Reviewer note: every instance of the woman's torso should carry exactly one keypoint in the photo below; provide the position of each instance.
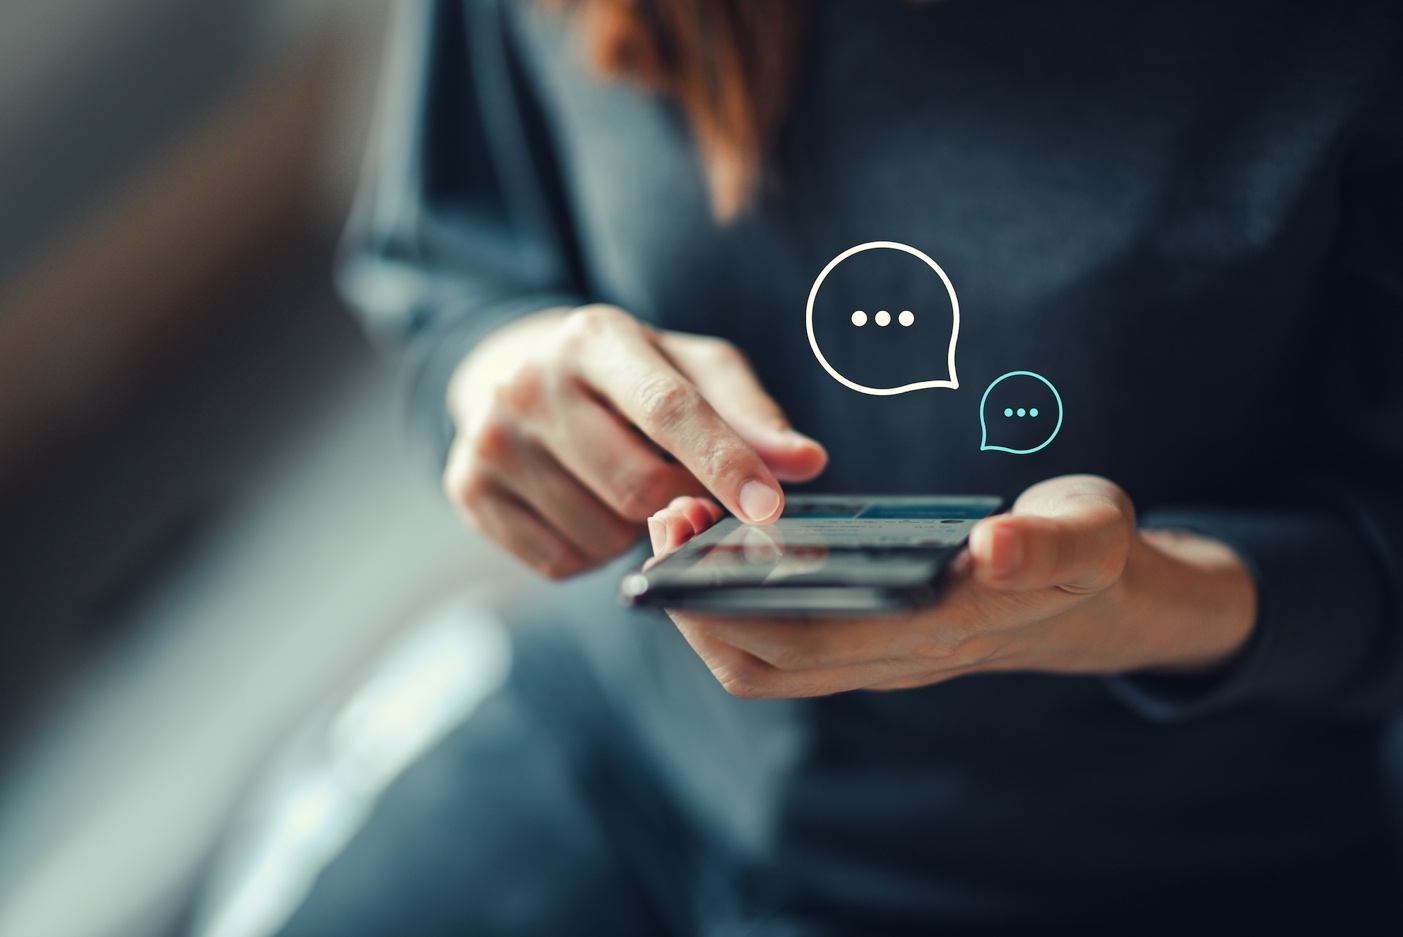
(1144, 204)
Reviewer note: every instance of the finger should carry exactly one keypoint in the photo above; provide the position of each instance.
(1070, 533)
(728, 382)
(700, 512)
(503, 517)
(680, 521)
(634, 376)
(617, 465)
(657, 535)
(564, 504)
(746, 675)
(667, 530)
(798, 644)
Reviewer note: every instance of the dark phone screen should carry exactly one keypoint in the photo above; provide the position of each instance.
(825, 540)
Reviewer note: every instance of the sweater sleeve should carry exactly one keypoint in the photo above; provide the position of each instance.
(460, 224)
(1326, 548)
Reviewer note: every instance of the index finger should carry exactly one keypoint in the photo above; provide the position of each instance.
(638, 380)
(727, 381)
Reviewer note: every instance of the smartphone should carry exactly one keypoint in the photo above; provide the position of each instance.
(841, 554)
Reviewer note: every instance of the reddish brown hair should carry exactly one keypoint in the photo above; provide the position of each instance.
(728, 64)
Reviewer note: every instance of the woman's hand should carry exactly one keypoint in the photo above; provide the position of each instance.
(1064, 583)
(573, 427)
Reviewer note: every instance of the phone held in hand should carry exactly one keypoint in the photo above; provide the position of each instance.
(841, 554)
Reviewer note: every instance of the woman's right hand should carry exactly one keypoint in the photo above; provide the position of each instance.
(575, 426)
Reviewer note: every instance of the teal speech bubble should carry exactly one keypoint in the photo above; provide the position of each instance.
(1019, 413)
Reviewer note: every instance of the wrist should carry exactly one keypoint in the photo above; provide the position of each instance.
(1192, 598)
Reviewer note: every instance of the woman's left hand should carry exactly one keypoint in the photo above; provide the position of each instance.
(1063, 583)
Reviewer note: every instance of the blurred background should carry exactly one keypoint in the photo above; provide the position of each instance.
(232, 602)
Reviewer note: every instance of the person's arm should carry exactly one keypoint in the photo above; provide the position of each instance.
(1063, 583)
(1296, 601)
(461, 225)
(561, 424)
(1326, 549)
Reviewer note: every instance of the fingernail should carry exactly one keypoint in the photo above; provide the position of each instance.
(657, 532)
(1004, 551)
(758, 501)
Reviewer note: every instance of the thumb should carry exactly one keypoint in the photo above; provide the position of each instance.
(725, 378)
(1071, 533)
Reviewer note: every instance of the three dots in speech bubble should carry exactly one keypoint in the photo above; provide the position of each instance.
(906, 318)
(883, 318)
(1001, 439)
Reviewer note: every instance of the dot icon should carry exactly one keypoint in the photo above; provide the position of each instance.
(1019, 437)
(859, 318)
(906, 317)
(882, 318)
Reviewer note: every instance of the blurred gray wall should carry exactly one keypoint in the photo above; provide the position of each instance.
(89, 89)
(152, 149)
(172, 175)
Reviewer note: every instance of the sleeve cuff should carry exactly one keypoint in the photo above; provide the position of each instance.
(1319, 615)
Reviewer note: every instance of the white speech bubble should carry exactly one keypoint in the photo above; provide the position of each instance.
(953, 382)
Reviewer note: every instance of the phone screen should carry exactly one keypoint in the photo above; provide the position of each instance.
(822, 541)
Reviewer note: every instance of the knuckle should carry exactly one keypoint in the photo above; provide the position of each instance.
(747, 677)
(492, 444)
(1105, 491)
(726, 458)
(524, 393)
(665, 402)
(590, 322)
(1124, 505)
(472, 493)
(463, 480)
(743, 685)
(1098, 558)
